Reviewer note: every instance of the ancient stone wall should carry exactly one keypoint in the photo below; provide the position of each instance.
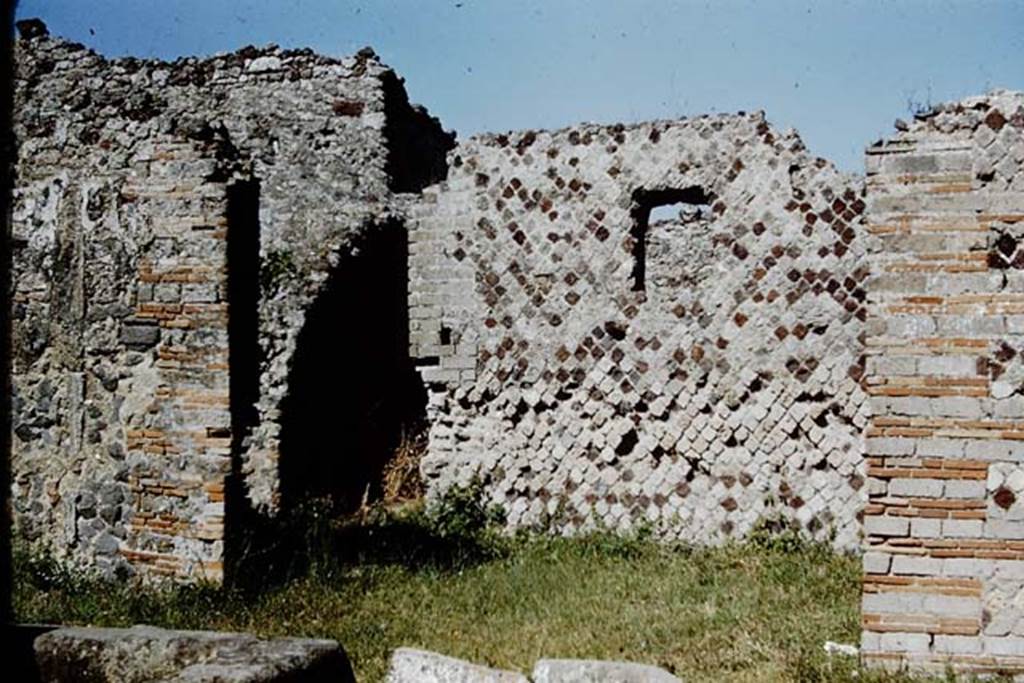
(597, 366)
(120, 337)
(944, 560)
(127, 408)
(668, 324)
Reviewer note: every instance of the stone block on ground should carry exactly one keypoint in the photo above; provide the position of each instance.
(593, 671)
(409, 665)
(146, 653)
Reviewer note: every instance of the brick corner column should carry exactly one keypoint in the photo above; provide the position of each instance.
(944, 524)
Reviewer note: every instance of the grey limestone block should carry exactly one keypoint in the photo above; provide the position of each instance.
(409, 665)
(594, 671)
(139, 336)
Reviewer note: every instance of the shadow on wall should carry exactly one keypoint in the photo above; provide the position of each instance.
(417, 144)
(353, 390)
(6, 170)
(245, 358)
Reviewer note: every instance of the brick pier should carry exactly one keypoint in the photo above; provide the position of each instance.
(944, 524)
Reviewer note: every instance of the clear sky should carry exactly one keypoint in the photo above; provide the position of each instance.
(840, 71)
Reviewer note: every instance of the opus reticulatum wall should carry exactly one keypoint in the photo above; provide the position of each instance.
(595, 367)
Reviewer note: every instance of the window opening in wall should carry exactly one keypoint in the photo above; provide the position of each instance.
(678, 211)
(654, 206)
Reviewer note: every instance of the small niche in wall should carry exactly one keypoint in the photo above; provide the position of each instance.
(652, 206)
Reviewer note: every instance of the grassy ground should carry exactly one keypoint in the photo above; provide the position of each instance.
(757, 611)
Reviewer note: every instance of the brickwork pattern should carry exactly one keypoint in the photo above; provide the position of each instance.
(721, 391)
(944, 555)
(179, 450)
(120, 383)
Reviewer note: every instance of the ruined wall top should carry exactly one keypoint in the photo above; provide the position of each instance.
(995, 109)
(67, 95)
(987, 128)
(319, 151)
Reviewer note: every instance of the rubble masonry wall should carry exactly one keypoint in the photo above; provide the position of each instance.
(592, 359)
(325, 147)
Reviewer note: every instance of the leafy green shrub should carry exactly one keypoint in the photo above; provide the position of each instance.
(462, 513)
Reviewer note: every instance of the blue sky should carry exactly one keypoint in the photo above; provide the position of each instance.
(838, 71)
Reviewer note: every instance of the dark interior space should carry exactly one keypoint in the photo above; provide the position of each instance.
(353, 390)
(417, 144)
(243, 260)
(645, 201)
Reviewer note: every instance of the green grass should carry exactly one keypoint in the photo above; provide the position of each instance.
(756, 611)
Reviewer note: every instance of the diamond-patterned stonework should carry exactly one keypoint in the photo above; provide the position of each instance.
(696, 374)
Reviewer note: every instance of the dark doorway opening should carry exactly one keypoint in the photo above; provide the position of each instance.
(353, 389)
(246, 358)
(650, 206)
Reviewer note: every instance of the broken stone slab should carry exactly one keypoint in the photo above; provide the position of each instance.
(146, 653)
(595, 671)
(409, 665)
